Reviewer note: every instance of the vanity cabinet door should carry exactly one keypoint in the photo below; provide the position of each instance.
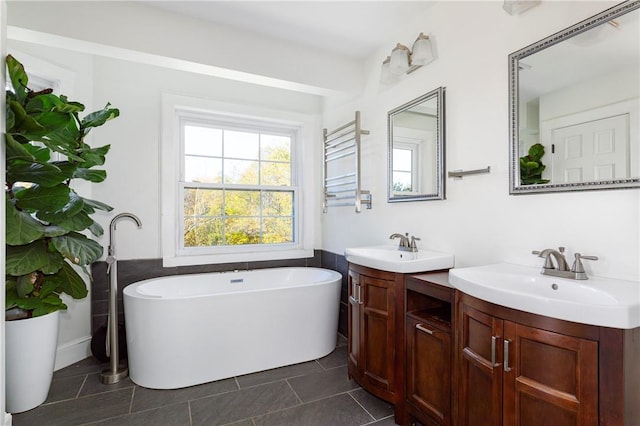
(514, 371)
(549, 378)
(372, 335)
(480, 374)
(378, 334)
(429, 371)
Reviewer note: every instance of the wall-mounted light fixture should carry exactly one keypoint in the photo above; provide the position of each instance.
(516, 7)
(404, 61)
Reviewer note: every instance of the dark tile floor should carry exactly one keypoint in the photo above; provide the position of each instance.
(311, 393)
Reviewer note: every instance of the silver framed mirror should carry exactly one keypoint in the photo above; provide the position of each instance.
(574, 105)
(416, 149)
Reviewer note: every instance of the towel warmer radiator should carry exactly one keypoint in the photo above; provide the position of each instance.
(341, 172)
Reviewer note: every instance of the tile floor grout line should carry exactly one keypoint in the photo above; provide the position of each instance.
(133, 394)
(283, 378)
(294, 391)
(86, 376)
(189, 412)
(378, 420)
(82, 396)
(362, 406)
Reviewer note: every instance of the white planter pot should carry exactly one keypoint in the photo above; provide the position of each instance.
(30, 346)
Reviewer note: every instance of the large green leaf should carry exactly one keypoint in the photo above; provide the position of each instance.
(22, 228)
(24, 123)
(44, 174)
(98, 118)
(11, 296)
(39, 152)
(97, 205)
(16, 150)
(96, 229)
(72, 283)
(95, 176)
(55, 262)
(43, 102)
(18, 77)
(93, 156)
(70, 106)
(54, 231)
(37, 198)
(21, 260)
(53, 121)
(67, 167)
(24, 285)
(10, 117)
(78, 248)
(77, 222)
(50, 284)
(69, 210)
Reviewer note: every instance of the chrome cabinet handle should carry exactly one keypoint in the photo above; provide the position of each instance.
(423, 328)
(354, 293)
(506, 355)
(493, 350)
(359, 294)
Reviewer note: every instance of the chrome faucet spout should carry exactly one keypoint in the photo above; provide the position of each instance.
(406, 244)
(112, 228)
(404, 239)
(561, 261)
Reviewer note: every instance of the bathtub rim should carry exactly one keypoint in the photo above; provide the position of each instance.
(131, 290)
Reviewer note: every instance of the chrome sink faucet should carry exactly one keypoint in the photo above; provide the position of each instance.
(405, 243)
(561, 267)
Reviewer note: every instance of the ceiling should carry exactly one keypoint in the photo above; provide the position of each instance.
(352, 28)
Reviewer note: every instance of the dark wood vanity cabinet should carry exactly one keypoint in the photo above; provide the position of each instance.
(429, 348)
(516, 368)
(372, 332)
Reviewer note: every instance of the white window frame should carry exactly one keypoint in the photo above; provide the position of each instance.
(174, 109)
(412, 145)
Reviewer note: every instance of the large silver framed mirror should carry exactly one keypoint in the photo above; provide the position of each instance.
(416, 149)
(574, 102)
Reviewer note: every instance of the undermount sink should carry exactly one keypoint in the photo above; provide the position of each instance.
(389, 258)
(596, 301)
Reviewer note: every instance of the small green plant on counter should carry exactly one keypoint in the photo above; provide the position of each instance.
(531, 166)
(44, 215)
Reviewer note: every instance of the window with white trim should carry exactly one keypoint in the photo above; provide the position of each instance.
(227, 201)
(238, 183)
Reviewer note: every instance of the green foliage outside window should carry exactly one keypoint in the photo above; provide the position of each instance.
(233, 210)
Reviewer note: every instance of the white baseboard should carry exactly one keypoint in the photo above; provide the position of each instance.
(72, 352)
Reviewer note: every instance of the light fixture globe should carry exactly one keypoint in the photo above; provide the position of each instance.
(385, 73)
(422, 52)
(399, 63)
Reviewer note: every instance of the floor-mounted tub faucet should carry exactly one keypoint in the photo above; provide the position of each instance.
(116, 372)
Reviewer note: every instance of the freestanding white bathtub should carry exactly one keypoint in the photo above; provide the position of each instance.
(190, 329)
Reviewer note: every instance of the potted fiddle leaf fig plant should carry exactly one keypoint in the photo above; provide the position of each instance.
(45, 220)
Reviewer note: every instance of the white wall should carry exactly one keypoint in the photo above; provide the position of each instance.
(479, 221)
